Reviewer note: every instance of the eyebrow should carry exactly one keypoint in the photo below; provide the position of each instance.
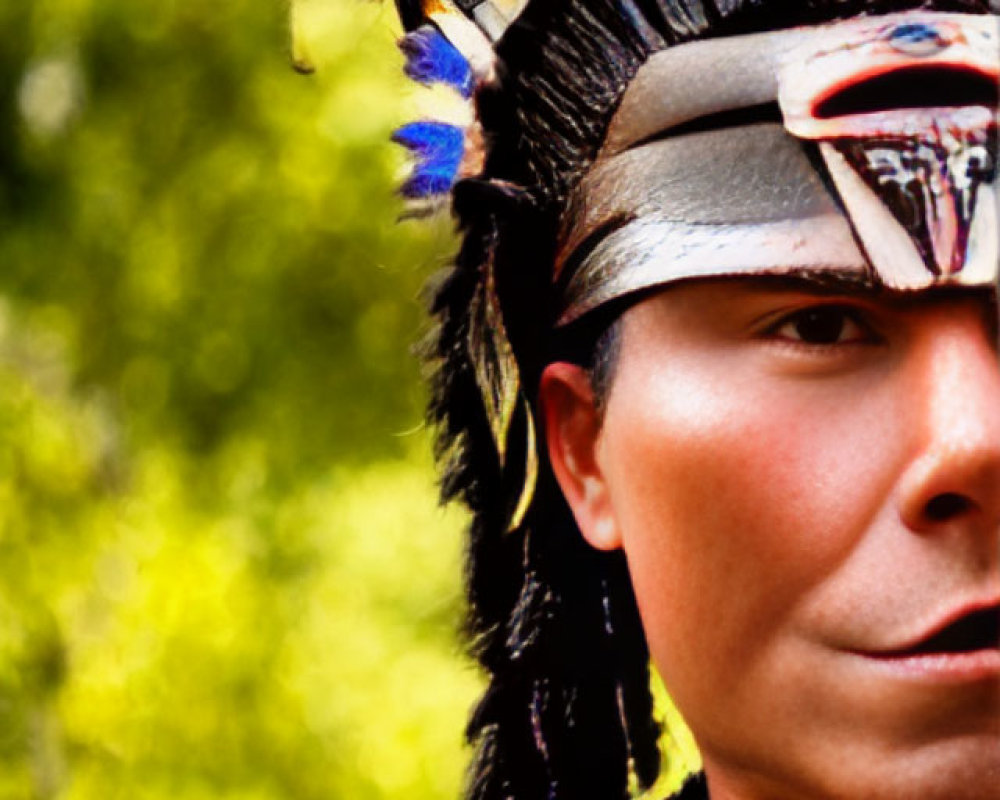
(810, 280)
(867, 287)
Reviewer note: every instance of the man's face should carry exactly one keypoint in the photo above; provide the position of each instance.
(807, 488)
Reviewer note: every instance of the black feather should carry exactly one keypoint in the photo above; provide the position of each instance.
(411, 14)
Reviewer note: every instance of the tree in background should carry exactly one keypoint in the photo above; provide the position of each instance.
(222, 570)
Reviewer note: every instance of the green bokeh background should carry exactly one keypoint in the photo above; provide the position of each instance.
(223, 572)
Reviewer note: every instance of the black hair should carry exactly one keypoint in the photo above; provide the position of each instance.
(603, 361)
(567, 711)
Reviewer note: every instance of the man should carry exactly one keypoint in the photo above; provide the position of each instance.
(741, 260)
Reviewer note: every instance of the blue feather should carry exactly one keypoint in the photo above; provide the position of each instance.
(438, 148)
(422, 184)
(431, 58)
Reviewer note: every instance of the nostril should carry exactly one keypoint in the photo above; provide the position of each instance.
(946, 506)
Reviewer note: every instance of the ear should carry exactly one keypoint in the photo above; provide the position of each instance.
(573, 437)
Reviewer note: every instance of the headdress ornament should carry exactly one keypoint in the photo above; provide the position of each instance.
(903, 108)
(450, 44)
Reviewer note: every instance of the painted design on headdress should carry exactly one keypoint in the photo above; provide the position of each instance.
(931, 186)
(453, 46)
(905, 112)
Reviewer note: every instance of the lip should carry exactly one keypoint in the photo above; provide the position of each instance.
(976, 666)
(962, 645)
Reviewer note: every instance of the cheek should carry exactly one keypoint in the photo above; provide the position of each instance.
(733, 505)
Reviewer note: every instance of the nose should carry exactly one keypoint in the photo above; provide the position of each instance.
(955, 474)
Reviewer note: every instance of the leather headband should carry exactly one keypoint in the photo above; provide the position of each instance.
(903, 112)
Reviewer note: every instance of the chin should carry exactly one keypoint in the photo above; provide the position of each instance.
(966, 768)
(962, 766)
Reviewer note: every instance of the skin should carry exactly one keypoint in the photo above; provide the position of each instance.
(792, 512)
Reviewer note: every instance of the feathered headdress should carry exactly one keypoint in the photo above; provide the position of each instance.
(902, 107)
(452, 45)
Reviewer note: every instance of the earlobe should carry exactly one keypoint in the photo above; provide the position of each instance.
(573, 436)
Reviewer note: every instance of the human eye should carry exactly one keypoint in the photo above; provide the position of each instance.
(822, 325)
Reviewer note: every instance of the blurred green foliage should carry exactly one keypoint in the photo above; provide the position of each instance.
(223, 573)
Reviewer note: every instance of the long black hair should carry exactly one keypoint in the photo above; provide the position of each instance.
(567, 712)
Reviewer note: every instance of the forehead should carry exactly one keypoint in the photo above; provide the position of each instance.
(865, 148)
